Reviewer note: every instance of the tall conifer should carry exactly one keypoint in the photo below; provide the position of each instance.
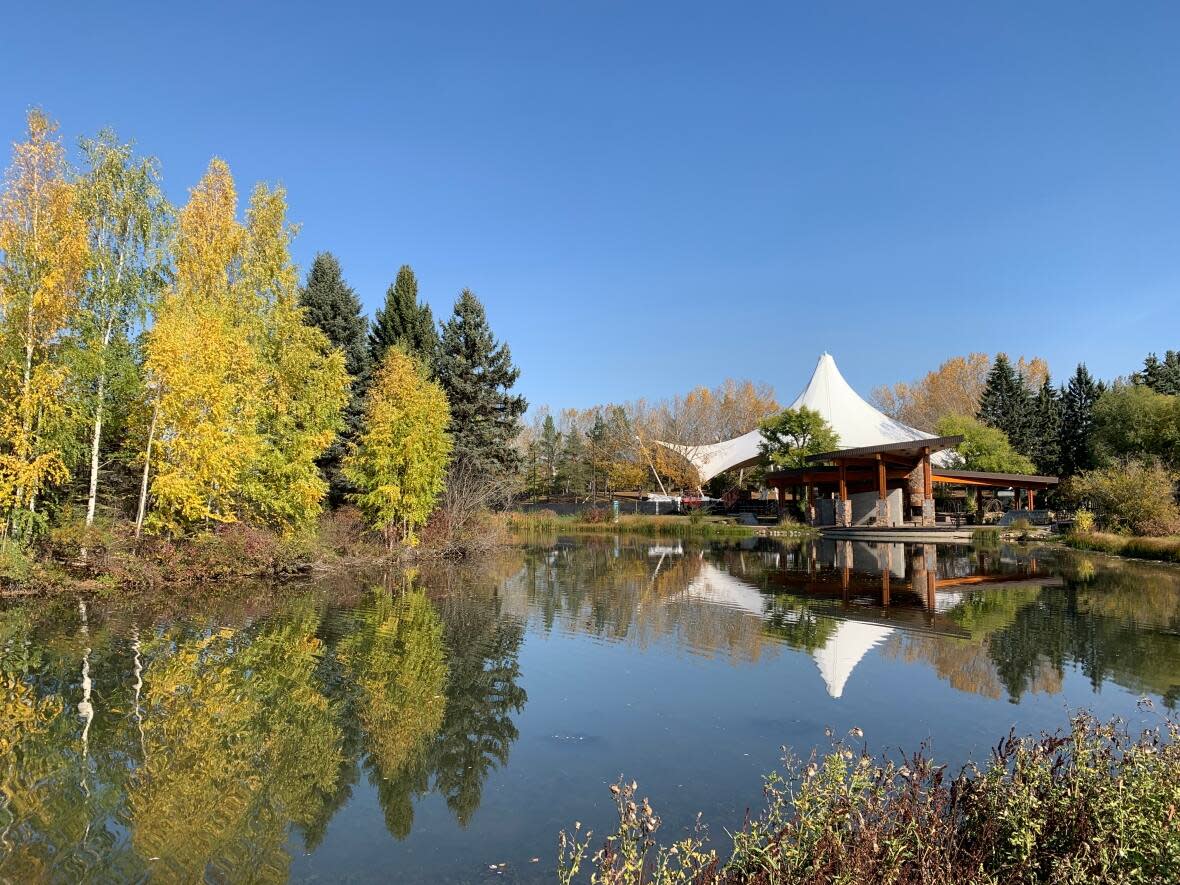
(478, 375)
(332, 306)
(1046, 429)
(1005, 404)
(1077, 422)
(404, 322)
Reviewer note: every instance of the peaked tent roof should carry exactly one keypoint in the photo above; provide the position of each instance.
(856, 423)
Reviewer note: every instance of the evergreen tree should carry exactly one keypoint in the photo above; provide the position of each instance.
(1077, 422)
(1006, 404)
(332, 306)
(477, 374)
(1162, 376)
(1046, 429)
(549, 452)
(405, 322)
(573, 463)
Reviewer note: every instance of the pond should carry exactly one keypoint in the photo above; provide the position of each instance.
(427, 726)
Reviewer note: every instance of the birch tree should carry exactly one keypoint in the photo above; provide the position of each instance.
(126, 216)
(43, 242)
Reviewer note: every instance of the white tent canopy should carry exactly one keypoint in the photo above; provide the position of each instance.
(855, 422)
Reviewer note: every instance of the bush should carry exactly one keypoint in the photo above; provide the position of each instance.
(1092, 805)
(597, 515)
(1083, 522)
(1136, 496)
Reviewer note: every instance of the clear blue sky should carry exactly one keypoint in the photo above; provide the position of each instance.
(653, 196)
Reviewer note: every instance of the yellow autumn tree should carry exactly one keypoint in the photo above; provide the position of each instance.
(399, 463)
(43, 241)
(202, 368)
(304, 382)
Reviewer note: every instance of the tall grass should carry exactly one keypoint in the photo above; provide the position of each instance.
(1095, 804)
(548, 522)
(1162, 549)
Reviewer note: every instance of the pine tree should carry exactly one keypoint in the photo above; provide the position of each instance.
(572, 472)
(404, 322)
(1046, 429)
(332, 306)
(1077, 422)
(1006, 404)
(1162, 376)
(478, 375)
(399, 463)
(549, 452)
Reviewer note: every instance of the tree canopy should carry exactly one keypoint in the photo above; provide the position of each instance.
(791, 436)
(983, 448)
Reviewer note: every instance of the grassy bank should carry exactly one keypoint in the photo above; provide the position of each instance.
(108, 556)
(1091, 805)
(546, 522)
(1137, 547)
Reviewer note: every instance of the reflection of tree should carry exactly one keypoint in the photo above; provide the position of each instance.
(239, 743)
(393, 662)
(482, 694)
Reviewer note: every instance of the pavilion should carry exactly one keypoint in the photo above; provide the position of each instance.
(882, 475)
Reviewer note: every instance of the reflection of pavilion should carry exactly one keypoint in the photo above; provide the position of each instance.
(871, 591)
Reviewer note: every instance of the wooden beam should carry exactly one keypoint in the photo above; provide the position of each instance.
(927, 476)
(881, 490)
(843, 483)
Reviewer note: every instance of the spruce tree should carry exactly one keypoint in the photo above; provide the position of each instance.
(1005, 404)
(1162, 376)
(1046, 429)
(405, 322)
(477, 374)
(332, 306)
(550, 452)
(1077, 422)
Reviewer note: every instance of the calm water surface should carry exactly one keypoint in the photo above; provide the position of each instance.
(423, 727)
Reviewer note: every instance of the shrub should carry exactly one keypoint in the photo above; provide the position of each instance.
(1136, 496)
(597, 515)
(1083, 522)
(1091, 805)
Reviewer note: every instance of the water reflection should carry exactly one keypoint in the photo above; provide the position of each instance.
(219, 738)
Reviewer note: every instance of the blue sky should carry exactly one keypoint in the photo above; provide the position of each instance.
(651, 196)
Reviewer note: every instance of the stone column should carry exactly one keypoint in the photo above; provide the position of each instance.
(844, 513)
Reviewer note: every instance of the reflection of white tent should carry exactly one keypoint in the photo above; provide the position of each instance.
(855, 421)
(850, 642)
(717, 587)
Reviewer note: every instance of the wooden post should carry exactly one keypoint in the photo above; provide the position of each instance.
(927, 475)
(843, 482)
(1031, 500)
(886, 577)
(881, 477)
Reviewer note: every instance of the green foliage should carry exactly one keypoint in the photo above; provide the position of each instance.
(1133, 420)
(477, 374)
(1083, 521)
(404, 322)
(1045, 435)
(1135, 495)
(399, 463)
(332, 306)
(983, 448)
(1078, 450)
(791, 436)
(1006, 404)
(1092, 805)
(1162, 376)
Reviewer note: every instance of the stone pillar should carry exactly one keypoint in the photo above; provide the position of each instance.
(883, 512)
(844, 513)
(928, 512)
